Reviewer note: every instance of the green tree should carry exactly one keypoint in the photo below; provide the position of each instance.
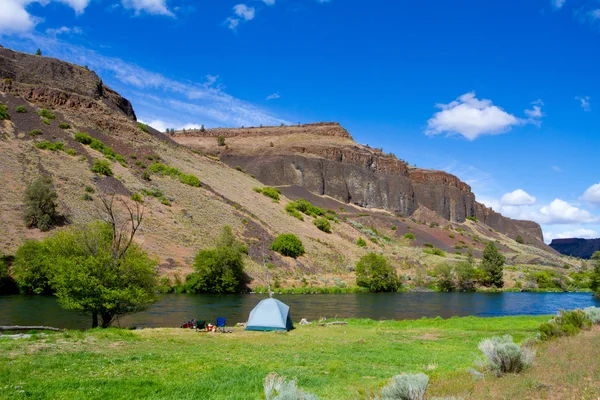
(40, 205)
(33, 268)
(519, 239)
(466, 275)
(97, 269)
(288, 245)
(219, 270)
(445, 278)
(221, 140)
(375, 273)
(38, 52)
(202, 128)
(595, 279)
(493, 266)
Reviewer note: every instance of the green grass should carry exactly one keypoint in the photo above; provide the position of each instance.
(334, 362)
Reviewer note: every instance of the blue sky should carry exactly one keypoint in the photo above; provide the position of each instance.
(503, 94)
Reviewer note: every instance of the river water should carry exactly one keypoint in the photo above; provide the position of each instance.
(174, 309)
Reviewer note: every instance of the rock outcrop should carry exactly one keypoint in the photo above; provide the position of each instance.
(582, 248)
(56, 83)
(325, 159)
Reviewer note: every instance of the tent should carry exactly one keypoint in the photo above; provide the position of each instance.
(270, 315)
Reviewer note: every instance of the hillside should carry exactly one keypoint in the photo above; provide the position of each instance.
(582, 248)
(375, 196)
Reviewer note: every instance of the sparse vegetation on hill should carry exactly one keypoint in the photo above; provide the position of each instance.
(46, 114)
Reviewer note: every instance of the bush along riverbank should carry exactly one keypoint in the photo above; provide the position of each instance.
(411, 359)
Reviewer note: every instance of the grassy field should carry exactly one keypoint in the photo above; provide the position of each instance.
(336, 362)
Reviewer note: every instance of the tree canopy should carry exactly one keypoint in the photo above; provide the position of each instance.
(492, 266)
(374, 273)
(40, 204)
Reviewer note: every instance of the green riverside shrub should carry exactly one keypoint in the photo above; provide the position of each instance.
(102, 167)
(288, 245)
(567, 323)
(374, 273)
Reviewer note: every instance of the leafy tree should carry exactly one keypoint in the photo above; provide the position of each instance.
(7, 283)
(595, 281)
(221, 140)
(219, 270)
(445, 278)
(288, 245)
(38, 52)
(33, 268)
(466, 275)
(375, 273)
(98, 269)
(202, 128)
(493, 266)
(519, 239)
(40, 204)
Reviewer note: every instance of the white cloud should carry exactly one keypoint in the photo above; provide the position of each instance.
(592, 194)
(155, 7)
(14, 18)
(273, 96)
(558, 3)
(581, 233)
(556, 168)
(595, 14)
(584, 101)
(63, 30)
(561, 212)
(243, 11)
(78, 5)
(232, 23)
(471, 118)
(518, 198)
(269, 2)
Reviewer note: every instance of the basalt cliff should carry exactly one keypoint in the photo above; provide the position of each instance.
(324, 159)
(582, 248)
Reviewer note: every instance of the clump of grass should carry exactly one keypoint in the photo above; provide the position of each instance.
(46, 145)
(406, 387)
(64, 125)
(502, 355)
(46, 114)
(87, 197)
(89, 189)
(71, 152)
(434, 251)
(102, 167)
(21, 109)
(409, 236)
(361, 242)
(143, 127)
(273, 193)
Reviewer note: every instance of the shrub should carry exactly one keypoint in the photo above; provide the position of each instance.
(3, 112)
(219, 270)
(409, 236)
(21, 109)
(361, 242)
(472, 219)
(35, 132)
(40, 205)
(63, 125)
(46, 145)
(145, 176)
(190, 180)
(271, 192)
(428, 245)
(121, 160)
(406, 387)
(102, 167)
(519, 239)
(323, 224)
(143, 127)
(162, 169)
(7, 283)
(278, 388)
(567, 323)
(137, 198)
(221, 140)
(45, 121)
(465, 276)
(374, 273)
(445, 278)
(83, 138)
(89, 189)
(394, 228)
(502, 355)
(288, 245)
(71, 152)
(46, 114)
(290, 209)
(87, 197)
(593, 314)
(435, 252)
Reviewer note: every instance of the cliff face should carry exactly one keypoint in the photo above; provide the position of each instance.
(56, 83)
(324, 159)
(583, 248)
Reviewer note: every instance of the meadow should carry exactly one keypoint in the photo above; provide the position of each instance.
(333, 361)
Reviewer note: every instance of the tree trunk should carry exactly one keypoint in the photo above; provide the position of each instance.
(106, 319)
(94, 320)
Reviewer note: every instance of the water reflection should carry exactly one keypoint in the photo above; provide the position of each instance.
(174, 309)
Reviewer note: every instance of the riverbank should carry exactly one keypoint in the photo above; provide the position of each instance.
(335, 362)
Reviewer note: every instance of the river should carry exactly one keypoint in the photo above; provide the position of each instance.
(174, 309)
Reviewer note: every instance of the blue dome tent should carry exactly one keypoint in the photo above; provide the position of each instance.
(270, 315)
